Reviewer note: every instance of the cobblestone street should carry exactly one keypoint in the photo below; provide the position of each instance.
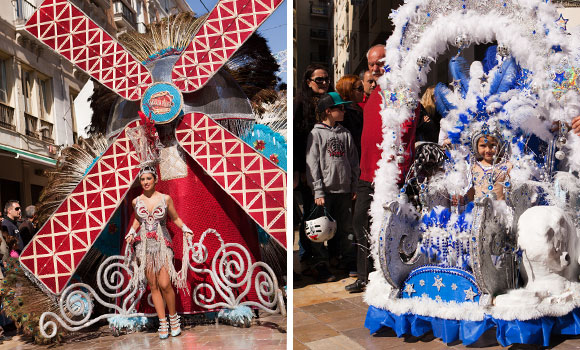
(268, 332)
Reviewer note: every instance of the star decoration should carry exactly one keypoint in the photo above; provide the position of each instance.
(456, 83)
(557, 48)
(560, 78)
(409, 289)
(483, 79)
(561, 22)
(469, 294)
(453, 286)
(438, 283)
(438, 298)
(422, 283)
(393, 96)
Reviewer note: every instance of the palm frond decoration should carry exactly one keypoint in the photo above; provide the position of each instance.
(71, 167)
(167, 37)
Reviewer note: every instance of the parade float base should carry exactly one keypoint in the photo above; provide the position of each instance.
(520, 316)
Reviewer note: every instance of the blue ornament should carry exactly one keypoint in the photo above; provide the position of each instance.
(393, 96)
(559, 78)
(561, 22)
(556, 48)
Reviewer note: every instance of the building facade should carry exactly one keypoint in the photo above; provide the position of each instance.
(312, 33)
(37, 90)
(358, 25)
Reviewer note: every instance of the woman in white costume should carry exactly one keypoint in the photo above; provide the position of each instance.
(153, 247)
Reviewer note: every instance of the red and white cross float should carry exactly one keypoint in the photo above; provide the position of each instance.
(255, 183)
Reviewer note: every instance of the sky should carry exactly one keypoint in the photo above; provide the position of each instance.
(274, 29)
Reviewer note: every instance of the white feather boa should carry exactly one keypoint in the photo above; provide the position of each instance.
(533, 52)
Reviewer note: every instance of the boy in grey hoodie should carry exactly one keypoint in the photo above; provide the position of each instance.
(332, 173)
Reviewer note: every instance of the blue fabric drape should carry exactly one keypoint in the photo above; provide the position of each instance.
(537, 331)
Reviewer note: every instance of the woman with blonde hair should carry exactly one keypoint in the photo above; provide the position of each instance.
(350, 88)
(429, 122)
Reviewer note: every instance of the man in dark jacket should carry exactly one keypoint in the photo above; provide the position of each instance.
(12, 213)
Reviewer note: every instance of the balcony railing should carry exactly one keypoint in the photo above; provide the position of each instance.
(24, 10)
(46, 131)
(31, 126)
(7, 117)
(319, 10)
(141, 28)
(122, 10)
(319, 34)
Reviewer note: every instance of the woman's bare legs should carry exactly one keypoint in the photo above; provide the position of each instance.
(156, 296)
(164, 284)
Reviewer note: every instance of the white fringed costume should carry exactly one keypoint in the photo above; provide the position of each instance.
(153, 245)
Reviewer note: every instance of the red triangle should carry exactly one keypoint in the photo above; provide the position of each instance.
(61, 243)
(66, 259)
(273, 202)
(230, 6)
(57, 224)
(279, 225)
(49, 282)
(268, 176)
(79, 238)
(32, 21)
(271, 215)
(278, 196)
(78, 258)
(244, 36)
(232, 177)
(78, 23)
(63, 281)
(258, 204)
(47, 241)
(94, 234)
(245, 23)
(238, 196)
(60, 10)
(40, 249)
(95, 202)
(235, 161)
(48, 267)
(29, 263)
(47, 30)
(92, 222)
(73, 205)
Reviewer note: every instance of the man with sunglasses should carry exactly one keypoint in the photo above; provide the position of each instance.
(12, 214)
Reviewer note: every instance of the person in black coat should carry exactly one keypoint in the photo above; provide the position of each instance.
(429, 121)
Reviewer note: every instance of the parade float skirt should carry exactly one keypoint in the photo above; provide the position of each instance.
(535, 331)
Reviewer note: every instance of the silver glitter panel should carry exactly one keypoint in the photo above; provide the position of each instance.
(172, 165)
(398, 241)
(492, 247)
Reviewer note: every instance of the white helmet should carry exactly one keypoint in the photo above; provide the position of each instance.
(321, 229)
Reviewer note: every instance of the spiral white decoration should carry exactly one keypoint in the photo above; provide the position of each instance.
(76, 302)
(230, 262)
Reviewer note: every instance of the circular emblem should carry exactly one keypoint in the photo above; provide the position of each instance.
(162, 101)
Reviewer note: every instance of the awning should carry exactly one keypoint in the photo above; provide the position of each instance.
(35, 158)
